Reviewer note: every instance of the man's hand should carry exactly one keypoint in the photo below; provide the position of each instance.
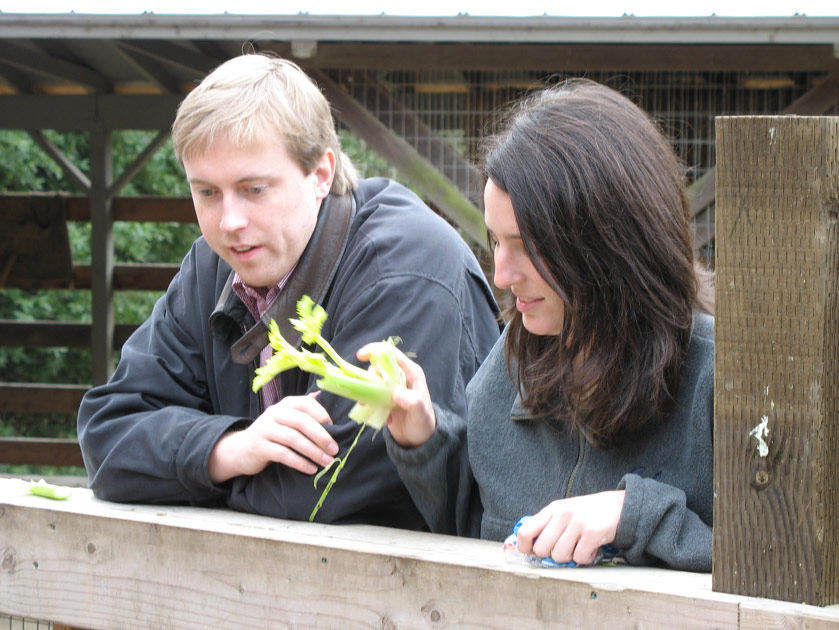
(290, 433)
(573, 529)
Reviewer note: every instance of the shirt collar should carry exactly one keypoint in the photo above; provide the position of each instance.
(257, 299)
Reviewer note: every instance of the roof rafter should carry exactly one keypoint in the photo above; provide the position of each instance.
(41, 63)
(147, 66)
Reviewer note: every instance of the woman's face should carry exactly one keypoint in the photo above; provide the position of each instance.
(540, 306)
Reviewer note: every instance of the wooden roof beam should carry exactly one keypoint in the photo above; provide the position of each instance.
(53, 67)
(150, 68)
(172, 54)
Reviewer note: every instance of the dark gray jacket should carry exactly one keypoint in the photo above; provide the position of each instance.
(477, 477)
(146, 435)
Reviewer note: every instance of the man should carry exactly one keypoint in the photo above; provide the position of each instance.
(282, 215)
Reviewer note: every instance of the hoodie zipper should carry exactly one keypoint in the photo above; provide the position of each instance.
(577, 465)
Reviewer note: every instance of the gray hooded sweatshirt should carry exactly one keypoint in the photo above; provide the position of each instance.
(478, 475)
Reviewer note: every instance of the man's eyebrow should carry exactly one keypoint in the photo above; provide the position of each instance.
(241, 180)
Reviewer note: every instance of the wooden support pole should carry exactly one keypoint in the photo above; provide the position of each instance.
(102, 255)
(776, 472)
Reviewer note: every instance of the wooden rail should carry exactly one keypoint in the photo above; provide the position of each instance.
(92, 564)
(54, 334)
(41, 451)
(40, 397)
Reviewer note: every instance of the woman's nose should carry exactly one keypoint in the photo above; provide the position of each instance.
(506, 270)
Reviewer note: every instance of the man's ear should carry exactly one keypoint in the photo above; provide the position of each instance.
(324, 174)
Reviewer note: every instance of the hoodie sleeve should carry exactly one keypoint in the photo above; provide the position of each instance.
(656, 526)
(439, 478)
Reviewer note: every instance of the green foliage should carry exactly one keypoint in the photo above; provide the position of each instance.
(367, 163)
(24, 167)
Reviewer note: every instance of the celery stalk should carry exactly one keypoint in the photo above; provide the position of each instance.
(373, 392)
(367, 392)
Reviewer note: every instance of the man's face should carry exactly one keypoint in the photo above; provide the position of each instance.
(256, 207)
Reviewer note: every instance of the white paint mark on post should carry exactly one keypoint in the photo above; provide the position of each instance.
(760, 433)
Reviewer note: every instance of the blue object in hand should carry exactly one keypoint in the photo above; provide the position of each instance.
(606, 553)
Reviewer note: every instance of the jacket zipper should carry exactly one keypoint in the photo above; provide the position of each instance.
(577, 465)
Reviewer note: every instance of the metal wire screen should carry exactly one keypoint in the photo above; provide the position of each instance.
(460, 106)
(16, 623)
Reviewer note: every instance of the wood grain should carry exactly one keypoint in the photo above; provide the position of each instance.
(776, 514)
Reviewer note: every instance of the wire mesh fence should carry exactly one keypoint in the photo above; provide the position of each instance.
(460, 107)
(16, 623)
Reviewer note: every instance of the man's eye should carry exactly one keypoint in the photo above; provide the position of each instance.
(255, 190)
(205, 192)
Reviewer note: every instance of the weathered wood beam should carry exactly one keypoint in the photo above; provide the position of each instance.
(170, 53)
(130, 277)
(414, 168)
(40, 451)
(40, 397)
(54, 67)
(80, 113)
(592, 57)
(55, 334)
(72, 171)
(150, 68)
(819, 99)
(93, 564)
(776, 394)
(102, 254)
(16, 79)
(136, 209)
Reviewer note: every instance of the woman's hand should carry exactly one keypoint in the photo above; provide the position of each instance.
(290, 433)
(412, 421)
(573, 529)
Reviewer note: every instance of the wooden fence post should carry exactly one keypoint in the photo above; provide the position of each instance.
(776, 469)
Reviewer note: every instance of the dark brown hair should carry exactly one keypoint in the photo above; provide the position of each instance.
(599, 199)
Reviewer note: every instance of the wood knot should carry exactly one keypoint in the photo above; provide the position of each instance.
(432, 613)
(761, 479)
(7, 560)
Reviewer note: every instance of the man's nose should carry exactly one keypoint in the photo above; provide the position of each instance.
(233, 214)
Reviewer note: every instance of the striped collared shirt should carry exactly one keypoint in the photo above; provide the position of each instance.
(257, 300)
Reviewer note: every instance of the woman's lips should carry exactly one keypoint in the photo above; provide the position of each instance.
(525, 305)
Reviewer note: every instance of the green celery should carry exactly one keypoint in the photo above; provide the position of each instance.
(373, 392)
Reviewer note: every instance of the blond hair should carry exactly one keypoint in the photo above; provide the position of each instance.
(250, 97)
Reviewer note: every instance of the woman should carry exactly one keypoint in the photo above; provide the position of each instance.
(594, 411)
